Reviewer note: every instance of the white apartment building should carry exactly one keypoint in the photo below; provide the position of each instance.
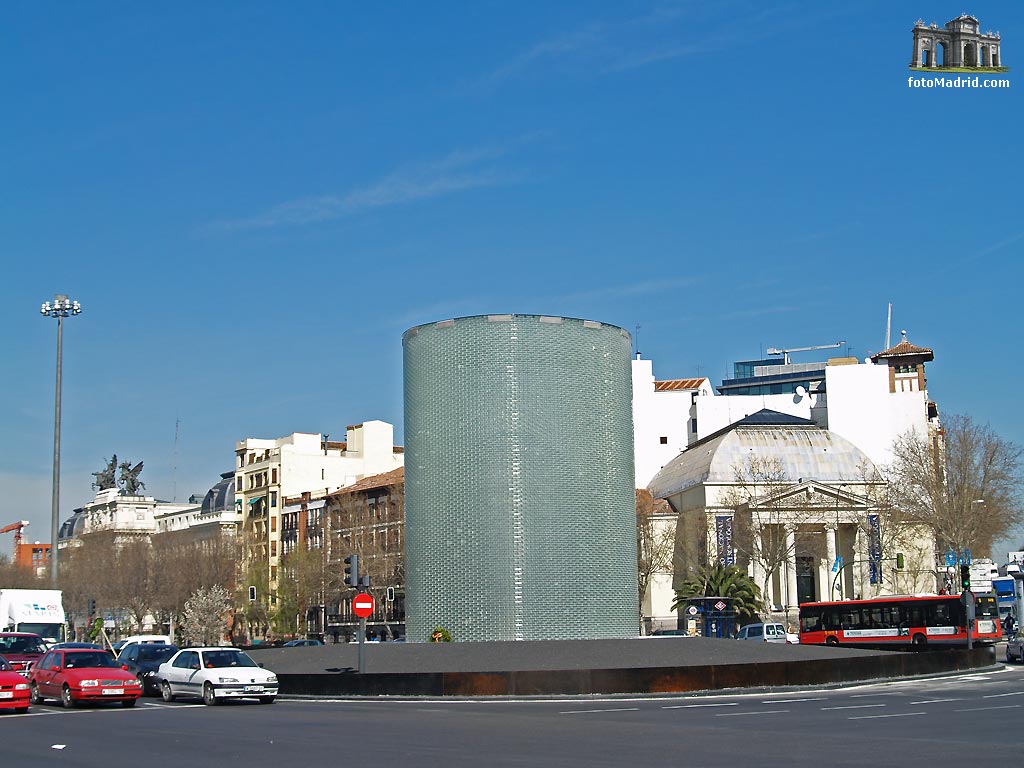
(267, 471)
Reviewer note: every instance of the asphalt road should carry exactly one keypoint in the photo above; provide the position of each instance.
(968, 717)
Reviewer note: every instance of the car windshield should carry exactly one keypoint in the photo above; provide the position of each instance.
(88, 659)
(227, 659)
(5, 665)
(21, 645)
(156, 652)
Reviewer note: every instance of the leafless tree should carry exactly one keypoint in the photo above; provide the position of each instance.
(766, 512)
(203, 618)
(965, 483)
(655, 536)
(15, 577)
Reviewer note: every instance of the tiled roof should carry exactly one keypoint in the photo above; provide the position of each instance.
(394, 477)
(904, 349)
(674, 384)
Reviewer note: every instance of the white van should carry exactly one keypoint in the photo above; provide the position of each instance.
(765, 632)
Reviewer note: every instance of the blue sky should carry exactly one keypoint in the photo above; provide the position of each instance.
(253, 200)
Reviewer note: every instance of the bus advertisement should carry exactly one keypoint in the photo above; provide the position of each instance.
(898, 621)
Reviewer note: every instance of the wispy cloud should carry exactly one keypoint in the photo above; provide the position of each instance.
(642, 288)
(666, 33)
(458, 171)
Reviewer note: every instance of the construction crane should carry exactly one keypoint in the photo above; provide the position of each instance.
(785, 352)
(16, 527)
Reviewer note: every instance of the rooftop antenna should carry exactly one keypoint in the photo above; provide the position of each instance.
(636, 340)
(785, 352)
(888, 327)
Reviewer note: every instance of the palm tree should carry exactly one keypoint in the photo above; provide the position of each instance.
(723, 581)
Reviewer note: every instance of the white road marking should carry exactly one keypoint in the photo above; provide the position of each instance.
(744, 714)
(701, 706)
(853, 706)
(789, 701)
(881, 717)
(931, 701)
(982, 709)
(1000, 695)
(590, 711)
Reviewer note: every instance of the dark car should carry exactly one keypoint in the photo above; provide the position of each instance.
(143, 660)
(299, 643)
(21, 649)
(79, 646)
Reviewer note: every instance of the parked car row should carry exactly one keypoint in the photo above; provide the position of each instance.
(76, 673)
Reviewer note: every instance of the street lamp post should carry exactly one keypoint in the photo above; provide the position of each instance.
(61, 307)
(838, 581)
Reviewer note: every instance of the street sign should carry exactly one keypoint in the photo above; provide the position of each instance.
(950, 557)
(967, 557)
(720, 606)
(837, 565)
(362, 606)
(692, 610)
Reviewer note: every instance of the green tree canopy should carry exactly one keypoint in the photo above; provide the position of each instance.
(719, 580)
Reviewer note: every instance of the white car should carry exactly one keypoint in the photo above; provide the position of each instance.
(215, 674)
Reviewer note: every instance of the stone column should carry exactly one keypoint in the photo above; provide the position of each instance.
(794, 597)
(830, 558)
(756, 569)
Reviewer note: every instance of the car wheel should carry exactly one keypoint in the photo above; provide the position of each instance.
(165, 691)
(1009, 658)
(142, 685)
(209, 697)
(919, 642)
(831, 640)
(35, 698)
(266, 699)
(128, 703)
(65, 698)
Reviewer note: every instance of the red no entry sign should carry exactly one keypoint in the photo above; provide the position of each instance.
(362, 606)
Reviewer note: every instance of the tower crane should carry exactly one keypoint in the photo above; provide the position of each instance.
(785, 352)
(16, 527)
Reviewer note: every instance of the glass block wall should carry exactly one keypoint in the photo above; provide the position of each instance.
(520, 505)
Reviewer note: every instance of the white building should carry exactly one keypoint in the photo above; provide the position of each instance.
(128, 516)
(267, 471)
(870, 404)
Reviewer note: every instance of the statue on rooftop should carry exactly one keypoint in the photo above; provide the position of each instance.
(105, 477)
(129, 481)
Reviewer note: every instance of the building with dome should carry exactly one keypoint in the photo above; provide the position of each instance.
(797, 506)
(867, 404)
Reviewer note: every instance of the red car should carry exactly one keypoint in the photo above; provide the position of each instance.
(21, 649)
(14, 691)
(77, 675)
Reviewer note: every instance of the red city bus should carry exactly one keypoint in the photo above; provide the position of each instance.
(898, 621)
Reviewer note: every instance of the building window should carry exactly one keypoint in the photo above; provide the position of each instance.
(273, 498)
(273, 475)
(663, 440)
(693, 425)
(273, 549)
(273, 525)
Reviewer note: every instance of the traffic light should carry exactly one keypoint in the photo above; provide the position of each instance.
(965, 578)
(352, 570)
(92, 608)
(900, 562)
(252, 594)
(390, 594)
